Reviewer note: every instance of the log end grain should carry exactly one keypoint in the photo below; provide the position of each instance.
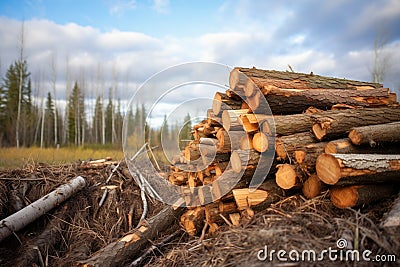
(344, 197)
(328, 169)
(318, 131)
(286, 176)
(312, 187)
(260, 142)
(355, 137)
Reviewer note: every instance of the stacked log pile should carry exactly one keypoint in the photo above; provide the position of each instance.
(328, 133)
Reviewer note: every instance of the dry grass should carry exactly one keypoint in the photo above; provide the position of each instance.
(14, 158)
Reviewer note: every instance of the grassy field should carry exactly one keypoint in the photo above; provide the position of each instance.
(14, 158)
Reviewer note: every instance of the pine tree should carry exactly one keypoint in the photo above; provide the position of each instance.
(49, 120)
(76, 115)
(11, 100)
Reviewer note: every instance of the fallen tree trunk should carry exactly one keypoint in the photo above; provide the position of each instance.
(130, 246)
(373, 134)
(337, 123)
(358, 168)
(23, 217)
(359, 195)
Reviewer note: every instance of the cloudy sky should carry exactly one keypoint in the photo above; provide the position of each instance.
(126, 41)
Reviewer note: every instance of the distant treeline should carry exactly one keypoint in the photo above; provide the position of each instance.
(24, 122)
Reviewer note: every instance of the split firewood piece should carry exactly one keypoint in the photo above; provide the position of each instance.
(222, 102)
(292, 80)
(243, 158)
(230, 119)
(128, 247)
(213, 211)
(306, 156)
(285, 146)
(312, 187)
(251, 122)
(25, 216)
(330, 124)
(358, 168)
(246, 198)
(359, 195)
(373, 134)
(193, 220)
(287, 176)
(272, 193)
(235, 218)
(229, 140)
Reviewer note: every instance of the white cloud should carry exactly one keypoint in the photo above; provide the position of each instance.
(119, 7)
(161, 6)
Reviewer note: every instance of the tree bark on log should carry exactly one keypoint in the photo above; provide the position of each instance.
(358, 168)
(306, 156)
(285, 146)
(130, 246)
(293, 80)
(373, 134)
(337, 123)
(242, 158)
(23, 217)
(287, 124)
(345, 146)
(222, 102)
(230, 119)
(359, 195)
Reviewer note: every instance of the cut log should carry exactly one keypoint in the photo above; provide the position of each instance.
(293, 80)
(230, 119)
(25, 216)
(237, 80)
(312, 187)
(228, 140)
(306, 156)
(246, 142)
(358, 168)
(287, 176)
(261, 142)
(338, 123)
(222, 102)
(373, 134)
(290, 101)
(243, 158)
(345, 146)
(285, 146)
(130, 246)
(359, 195)
(288, 124)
